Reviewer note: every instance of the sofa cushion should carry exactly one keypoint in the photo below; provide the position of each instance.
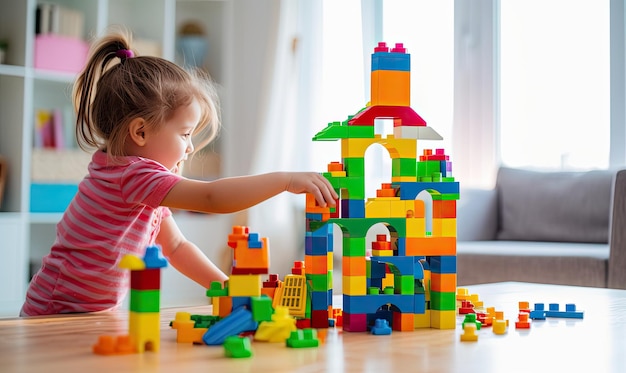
(564, 263)
(477, 214)
(554, 206)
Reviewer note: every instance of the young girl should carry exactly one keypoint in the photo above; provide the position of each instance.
(141, 114)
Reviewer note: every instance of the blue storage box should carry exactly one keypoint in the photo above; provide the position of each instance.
(51, 197)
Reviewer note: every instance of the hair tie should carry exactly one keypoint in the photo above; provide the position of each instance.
(123, 54)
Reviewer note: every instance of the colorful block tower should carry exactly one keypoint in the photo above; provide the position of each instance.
(409, 280)
(144, 325)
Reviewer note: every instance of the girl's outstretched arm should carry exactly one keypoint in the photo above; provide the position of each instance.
(186, 257)
(239, 193)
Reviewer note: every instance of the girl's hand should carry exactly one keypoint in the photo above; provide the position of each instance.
(314, 183)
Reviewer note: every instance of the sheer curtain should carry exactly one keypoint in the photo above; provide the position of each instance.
(287, 115)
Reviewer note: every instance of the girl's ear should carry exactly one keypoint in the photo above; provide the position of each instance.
(137, 131)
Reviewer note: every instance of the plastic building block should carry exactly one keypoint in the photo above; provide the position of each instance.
(499, 327)
(570, 311)
(144, 321)
(381, 327)
(303, 338)
(523, 321)
(239, 321)
(109, 345)
(237, 347)
(278, 329)
(187, 330)
(470, 318)
(469, 332)
(538, 313)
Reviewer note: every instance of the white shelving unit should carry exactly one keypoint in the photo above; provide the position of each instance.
(27, 236)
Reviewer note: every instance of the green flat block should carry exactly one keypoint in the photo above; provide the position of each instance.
(303, 338)
(237, 347)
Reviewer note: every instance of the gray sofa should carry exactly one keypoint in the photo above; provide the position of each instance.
(545, 227)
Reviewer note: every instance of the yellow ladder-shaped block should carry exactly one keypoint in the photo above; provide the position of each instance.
(292, 294)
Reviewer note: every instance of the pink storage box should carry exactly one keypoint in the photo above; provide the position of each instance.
(60, 53)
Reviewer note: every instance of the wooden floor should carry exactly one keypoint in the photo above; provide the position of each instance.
(597, 343)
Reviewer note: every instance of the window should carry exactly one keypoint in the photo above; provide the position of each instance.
(555, 84)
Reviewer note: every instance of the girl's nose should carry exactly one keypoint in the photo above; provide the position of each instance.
(189, 146)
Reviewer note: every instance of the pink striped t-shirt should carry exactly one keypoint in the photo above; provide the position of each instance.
(115, 212)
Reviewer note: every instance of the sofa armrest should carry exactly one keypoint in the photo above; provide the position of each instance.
(617, 239)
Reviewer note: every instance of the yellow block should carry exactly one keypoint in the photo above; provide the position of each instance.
(378, 208)
(144, 329)
(443, 319)
(422, 320)
(354, 285)
(245, 285)
(416, 227)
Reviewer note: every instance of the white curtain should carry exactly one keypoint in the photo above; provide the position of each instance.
(288, 112)
(475, 92)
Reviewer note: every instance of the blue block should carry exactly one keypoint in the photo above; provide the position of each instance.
(359, 304)
(381, 327)
(315, 245)
(153, 257)
(442, 264)
(404, 264)
(313, 216)
(254, 242)
(378, 270)
(401, 243)
(391, 61)
(238, 321)
(241, 302)
(569, 313)
(409, 190)
(419, 303)
(539, 313)
(352, 208)
(320, 300)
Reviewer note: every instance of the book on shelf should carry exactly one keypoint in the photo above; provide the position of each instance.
(53, 129)
(52, 18)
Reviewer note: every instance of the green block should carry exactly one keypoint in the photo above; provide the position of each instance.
(361, 132)
(443, 301)
(237, 347)
(145, 300)
(353, 187)
(421, 169)
(403, 167)
(320, 282)
(355, 167)
(353, 246)
(432, 167)
(404, 284)
(302, 338)
(204, 321)
(261, 308)
(216, 290)
(358, 227)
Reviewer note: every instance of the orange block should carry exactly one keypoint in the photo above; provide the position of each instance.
(444, 209)
(430, 246)
(404, 322)
(443, 282)
(335, 166)
(354, 266)
(316, 264)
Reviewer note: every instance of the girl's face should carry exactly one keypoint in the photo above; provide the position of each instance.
(171, 143)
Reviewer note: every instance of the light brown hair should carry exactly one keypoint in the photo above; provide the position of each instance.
(111, 91)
